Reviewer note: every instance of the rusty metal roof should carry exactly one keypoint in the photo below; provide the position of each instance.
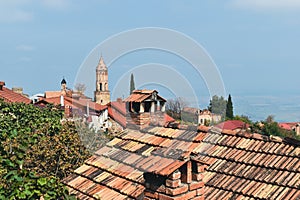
(239, 165)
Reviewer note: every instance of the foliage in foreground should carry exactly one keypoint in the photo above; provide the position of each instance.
(36, 152)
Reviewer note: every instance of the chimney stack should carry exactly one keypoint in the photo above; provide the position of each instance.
(18, 90)
(185, 182)
(2, 83)
(142, 109)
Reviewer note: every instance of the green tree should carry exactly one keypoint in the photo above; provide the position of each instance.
(36, 152)
(229, 108)
(217, 105)
(243, 118)
(132, 85)
(270, 127)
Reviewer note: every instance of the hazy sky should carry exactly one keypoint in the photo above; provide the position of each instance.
(254, 43)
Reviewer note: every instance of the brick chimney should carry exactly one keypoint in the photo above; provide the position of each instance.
(18, 90)
(2, 83)
(119, 100)
(184, 183)
(142, 109)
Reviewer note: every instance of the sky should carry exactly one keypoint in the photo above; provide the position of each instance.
(254, 44)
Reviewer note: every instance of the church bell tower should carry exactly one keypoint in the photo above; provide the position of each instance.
(102, 94)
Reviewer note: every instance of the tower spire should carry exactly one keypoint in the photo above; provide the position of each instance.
(102, 94)
(101, 64)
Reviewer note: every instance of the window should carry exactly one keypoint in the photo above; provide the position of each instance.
(147, 106)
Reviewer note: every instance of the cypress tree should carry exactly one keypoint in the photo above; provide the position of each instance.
(132, 86)
(229, 108)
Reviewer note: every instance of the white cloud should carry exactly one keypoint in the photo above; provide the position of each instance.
(23, 47)
(277, 5)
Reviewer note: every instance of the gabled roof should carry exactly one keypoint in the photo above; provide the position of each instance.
(116, 114)
(142, 95)
(232, 125)
(11, 96)
(239, 166)
(119, 106)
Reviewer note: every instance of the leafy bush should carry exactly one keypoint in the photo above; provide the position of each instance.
(36, 152)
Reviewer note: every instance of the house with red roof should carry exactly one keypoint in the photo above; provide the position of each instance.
(233, 125)
(9, 95)
(290, 126)
(76, 105)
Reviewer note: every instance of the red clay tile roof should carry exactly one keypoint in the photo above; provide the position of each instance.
(168, 118)
(288, 125)
(239, 165)
(141, 95)
(11, 96)
(285, 126)
(55, 101)
(119, 106)
(51, 94)
(250, 166)
(87, 102)
(118, 117)
(81, 103)
(121, 164)
(232, 125)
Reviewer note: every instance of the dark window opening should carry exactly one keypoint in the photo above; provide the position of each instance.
(194, 167)
(154, 180)
(100, 86)
(136, 107)
(147, 106)
(183, 171)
